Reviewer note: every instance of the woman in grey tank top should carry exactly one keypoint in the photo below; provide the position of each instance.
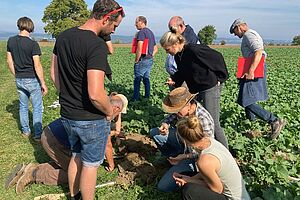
(219, 176)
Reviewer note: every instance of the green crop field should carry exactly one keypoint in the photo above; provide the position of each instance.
(266, 164)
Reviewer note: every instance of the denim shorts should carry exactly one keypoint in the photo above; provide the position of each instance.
(88, 138)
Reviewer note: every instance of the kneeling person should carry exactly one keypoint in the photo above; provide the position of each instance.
(55, 142)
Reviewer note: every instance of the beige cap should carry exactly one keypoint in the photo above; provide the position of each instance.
(125, 102)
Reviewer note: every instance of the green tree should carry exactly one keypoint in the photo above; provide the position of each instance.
(296, 40)
(207, 34)
(60, 15)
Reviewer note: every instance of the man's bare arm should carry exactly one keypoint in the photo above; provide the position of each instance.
(39, 71)
(138, 52)
(10, 63)
(97, 92)
(54, 71)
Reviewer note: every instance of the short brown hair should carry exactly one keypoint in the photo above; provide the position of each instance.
(103, 7)
(142, 19)
(25, 23)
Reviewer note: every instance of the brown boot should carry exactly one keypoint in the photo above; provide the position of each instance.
(276, 127)
(14, 175)
(27, 178)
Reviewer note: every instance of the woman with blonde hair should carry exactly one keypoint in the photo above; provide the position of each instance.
(219, 176)
(203, 70)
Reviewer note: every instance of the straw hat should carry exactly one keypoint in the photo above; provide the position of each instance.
(177, 99)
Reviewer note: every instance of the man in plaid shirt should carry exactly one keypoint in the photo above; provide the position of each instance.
(205, 118)
(179, 103)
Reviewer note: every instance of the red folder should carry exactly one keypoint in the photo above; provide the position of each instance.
(144, 48)
(244, 65)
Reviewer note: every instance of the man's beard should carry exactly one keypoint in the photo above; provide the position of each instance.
(103, 34)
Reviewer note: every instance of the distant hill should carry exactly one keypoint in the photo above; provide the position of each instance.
(123, 39)
(36, 36)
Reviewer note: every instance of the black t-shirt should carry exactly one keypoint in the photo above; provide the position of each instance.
(78, 51)
(22, 49)
(200, 67)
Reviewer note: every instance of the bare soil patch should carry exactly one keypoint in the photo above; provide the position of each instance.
(139, 164)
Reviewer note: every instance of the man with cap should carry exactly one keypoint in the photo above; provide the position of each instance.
(55, 142)
(120, 107)
(179, 103)
(252, 89)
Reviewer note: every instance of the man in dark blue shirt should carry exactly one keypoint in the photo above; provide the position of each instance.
(177, 25)
(143, 60)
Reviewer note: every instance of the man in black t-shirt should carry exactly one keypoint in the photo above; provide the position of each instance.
(78, 68)
(23, 58)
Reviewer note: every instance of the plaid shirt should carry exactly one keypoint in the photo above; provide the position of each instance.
(203, 115)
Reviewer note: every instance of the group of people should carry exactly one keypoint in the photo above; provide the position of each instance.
(191, 136)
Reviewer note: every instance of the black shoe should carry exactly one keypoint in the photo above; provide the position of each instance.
(276, 127)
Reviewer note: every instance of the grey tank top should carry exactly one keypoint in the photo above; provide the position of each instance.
(230, 175)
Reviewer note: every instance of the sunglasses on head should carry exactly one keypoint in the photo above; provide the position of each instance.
(115, 11)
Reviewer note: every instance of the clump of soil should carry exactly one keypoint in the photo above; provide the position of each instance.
(253, 134)
(137, 166)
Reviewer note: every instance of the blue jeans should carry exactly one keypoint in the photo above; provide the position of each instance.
(254, 110)
(210, 100)
(170, 145)
(167, 182)
(88, 138)
(142, 72)
(29, 88)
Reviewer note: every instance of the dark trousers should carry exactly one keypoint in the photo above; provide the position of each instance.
(210, 99)
(193, 191)
(256, 110)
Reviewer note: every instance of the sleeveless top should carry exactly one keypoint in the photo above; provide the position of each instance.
(230, 175)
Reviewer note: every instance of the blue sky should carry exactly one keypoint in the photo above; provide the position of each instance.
(274, 19)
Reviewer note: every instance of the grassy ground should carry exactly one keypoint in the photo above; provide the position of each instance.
(265, 172)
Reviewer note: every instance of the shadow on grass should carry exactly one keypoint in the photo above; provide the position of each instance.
(13, 108)
(39, 153)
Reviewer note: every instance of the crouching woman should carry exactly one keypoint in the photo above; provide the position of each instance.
(219, 176)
